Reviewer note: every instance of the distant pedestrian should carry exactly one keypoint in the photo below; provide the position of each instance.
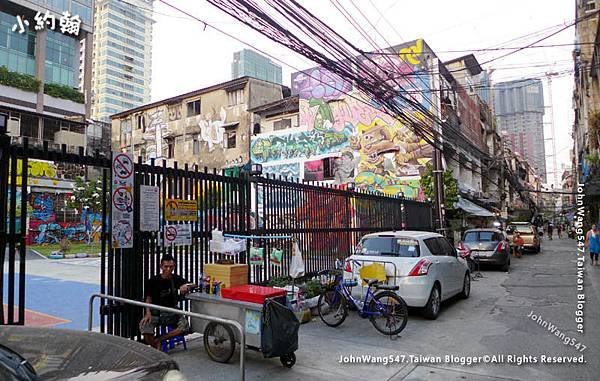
(593, 240)
(559, 230)
(518, 242)
(550, 228)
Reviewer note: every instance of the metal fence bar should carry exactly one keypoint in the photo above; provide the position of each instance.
(232, 323)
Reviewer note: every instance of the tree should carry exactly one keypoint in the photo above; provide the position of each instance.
(450, 186)
(86, 196)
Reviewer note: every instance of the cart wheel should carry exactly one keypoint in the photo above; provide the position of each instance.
(288, 360)
(219, 342)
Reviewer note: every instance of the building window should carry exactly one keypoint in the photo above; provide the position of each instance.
(231, 139)
(282, 124)
(196, 147)
(590, 6)
(171, 149)
(193, 108)
(328, 166)
(235, 97)
(141, 122)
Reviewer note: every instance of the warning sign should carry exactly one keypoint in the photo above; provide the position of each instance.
(122, 201)
(178, 235)
(181, 210)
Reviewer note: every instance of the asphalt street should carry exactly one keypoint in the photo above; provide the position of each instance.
(493, 321)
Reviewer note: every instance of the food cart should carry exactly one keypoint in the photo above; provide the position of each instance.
(220, 339)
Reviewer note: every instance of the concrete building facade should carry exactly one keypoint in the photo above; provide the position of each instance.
(122, 68)
(210, 127)
(519, 109)
(249, 63)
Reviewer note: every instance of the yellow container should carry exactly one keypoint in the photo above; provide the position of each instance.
(228, 275)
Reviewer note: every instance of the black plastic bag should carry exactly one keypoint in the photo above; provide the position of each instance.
(279, 330)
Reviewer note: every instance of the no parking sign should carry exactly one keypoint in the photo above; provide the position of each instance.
(178, 235)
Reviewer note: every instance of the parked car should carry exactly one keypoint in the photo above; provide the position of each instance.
(32, 353)
(487, 247)
(528, 232)
(424, 265)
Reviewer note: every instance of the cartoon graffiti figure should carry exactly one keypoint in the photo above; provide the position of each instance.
(212, 131)
(155, 132)
(413, 153)
(373, 142)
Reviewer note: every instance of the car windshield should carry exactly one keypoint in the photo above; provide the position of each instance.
(481, 236)
(521, 228)
(389, 246)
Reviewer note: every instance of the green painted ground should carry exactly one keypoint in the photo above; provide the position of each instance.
(75, 248)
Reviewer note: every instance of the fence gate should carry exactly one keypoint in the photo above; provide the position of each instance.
(327, 221)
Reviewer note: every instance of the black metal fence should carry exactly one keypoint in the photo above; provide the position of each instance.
(326, 221)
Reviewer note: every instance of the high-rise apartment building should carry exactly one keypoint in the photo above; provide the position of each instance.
(122, 68)
(248, 63)
(519, 109)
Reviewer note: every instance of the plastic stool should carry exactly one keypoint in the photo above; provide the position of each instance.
(168, 344)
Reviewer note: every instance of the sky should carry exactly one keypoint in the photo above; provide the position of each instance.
(187, 56)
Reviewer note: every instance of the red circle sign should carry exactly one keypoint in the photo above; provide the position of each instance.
(171, 233)
(122, 166)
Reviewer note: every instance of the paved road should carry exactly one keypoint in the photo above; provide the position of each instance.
(493, 321)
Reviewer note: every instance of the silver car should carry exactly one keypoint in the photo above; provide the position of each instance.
(423, 264)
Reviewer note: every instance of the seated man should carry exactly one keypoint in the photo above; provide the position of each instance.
(164, 289)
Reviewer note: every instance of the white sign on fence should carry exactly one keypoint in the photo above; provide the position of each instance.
(178, 235)
(149, 208)
(122, 201)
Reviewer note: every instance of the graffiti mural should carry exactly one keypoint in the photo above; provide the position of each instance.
(43, 207)
(212, 130)
(154, 135)
(319, 83)
(284, 170)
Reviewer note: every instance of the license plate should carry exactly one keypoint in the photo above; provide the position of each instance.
(483, 254)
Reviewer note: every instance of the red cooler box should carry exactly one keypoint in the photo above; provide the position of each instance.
(253, 294)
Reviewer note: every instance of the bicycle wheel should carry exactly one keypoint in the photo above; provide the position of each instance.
(393, 313)
(332, 308)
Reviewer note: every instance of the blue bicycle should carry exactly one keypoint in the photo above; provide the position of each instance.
(386, 310)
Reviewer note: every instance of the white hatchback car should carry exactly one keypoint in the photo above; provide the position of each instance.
(423, 264)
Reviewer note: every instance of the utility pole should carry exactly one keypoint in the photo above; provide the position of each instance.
(438, 179)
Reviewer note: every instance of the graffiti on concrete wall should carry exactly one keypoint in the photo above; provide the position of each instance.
(284, 170)
(321, 139)
(154, 135)
(319, 83)
(212, 130)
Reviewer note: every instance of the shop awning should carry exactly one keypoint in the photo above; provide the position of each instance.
(472, 209)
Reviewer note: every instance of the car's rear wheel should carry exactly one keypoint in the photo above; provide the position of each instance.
(432, 308)
(466, 291)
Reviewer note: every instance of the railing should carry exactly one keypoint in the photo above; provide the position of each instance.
(232, 323)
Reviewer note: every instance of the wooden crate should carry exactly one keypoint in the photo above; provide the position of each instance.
(228, 275)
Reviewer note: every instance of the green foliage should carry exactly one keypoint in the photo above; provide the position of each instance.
(64, 92)
(86, 195)
(593, 160)
(313, 288)
(450, 186)
(280, 281)
(20, 81)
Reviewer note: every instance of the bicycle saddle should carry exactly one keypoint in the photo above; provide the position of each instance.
(387, 287)
(371, 282)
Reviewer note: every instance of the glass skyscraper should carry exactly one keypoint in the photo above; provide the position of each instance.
(252, 64)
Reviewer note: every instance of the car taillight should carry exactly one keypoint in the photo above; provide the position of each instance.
(421, 268)
(500, 246)
(348, 268)
(462, 249)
